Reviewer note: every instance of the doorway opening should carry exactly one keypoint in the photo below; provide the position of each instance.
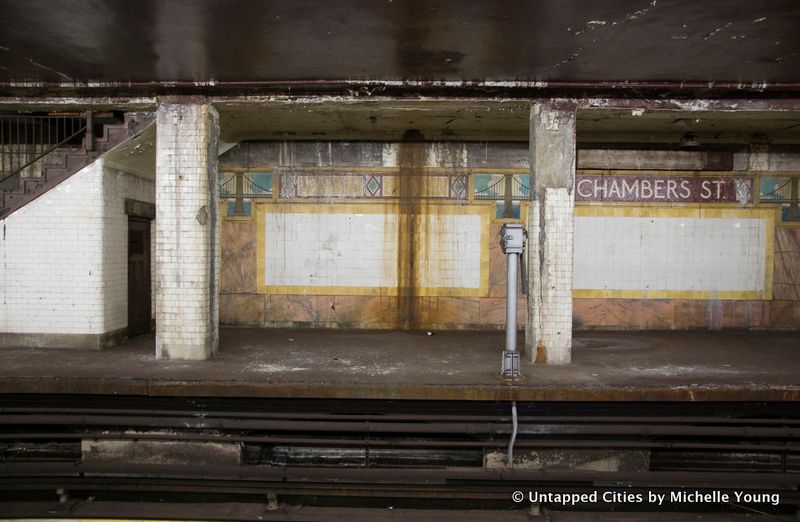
(139, 284)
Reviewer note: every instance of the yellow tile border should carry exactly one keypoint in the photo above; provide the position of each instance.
(687, 211)
(369, 207)
(768, 214)
(251, 217)
(668, 294)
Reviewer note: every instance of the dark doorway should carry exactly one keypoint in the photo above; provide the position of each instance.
(139, 311)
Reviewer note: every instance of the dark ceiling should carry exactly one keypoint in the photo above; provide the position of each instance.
(158, 44)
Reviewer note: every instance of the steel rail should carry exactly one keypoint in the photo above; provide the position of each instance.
(408, 443)
(369, 407)
(207, 414)
(434, 476)
(259, 424)
(385, 426)
(478, 491)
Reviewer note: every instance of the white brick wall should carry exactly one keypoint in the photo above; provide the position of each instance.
(117, 186)
(670, 253)
(449, 251)
(187, 236)
(64, 256)
(555, 315)
(306, 250)
(360, 250)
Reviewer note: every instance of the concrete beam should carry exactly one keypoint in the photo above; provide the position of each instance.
(97, 103)
(187, 230)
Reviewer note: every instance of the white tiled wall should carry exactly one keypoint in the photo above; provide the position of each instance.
(63, 257)
(52, 265)
(360, 250)
(669, 253)
(187, 237)
(117, 186)
(550, 251)
(330, 249)
(450, 253)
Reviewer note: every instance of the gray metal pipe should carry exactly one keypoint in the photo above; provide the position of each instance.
(512, 240)
(511, 303)
(513, 439)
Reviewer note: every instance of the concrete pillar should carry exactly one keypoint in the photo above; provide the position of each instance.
(548, 336)
(187, 236)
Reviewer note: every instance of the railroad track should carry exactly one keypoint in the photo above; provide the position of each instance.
(83, 454)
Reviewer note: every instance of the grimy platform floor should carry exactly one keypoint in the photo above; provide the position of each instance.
(461, 365)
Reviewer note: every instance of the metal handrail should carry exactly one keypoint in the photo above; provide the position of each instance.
(45, 153)
(521, 185)
(26, 139)
(488, 193)
(250, 189)
(256, 189)
(778, 190)
(493, 192)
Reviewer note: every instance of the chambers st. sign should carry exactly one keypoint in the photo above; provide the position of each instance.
(665, 189)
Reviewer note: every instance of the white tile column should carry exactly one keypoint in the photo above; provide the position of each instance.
(548, 336)
(187, 236)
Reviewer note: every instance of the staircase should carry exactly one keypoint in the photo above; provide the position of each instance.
(57, 163)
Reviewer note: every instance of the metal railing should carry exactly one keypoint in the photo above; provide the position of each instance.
(241, 184)
(27, 139)
(786, 191)
(508, 186)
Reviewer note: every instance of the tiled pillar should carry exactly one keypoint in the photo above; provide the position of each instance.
(548, 336)
(187, 236)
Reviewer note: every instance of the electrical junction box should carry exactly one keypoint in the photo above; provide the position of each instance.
(512, 238)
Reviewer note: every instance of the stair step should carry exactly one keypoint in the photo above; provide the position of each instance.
(117, 133)
(18, 200)
(56, 173)
(77, 161)
(13, 192)
(112, 136)
(9, 184)
(58, 166)
(33, 185)
(56, 158)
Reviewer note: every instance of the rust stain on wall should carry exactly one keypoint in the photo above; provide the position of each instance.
(541, 353)
(413, 183)
(424, 168)
(238, 257)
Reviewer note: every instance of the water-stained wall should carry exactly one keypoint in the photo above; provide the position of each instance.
(410, 197)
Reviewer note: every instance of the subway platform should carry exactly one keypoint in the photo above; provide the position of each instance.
(452, 365)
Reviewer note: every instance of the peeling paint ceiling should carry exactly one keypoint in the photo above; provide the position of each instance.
(495, 121)
(154, 44)
(136, 155)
